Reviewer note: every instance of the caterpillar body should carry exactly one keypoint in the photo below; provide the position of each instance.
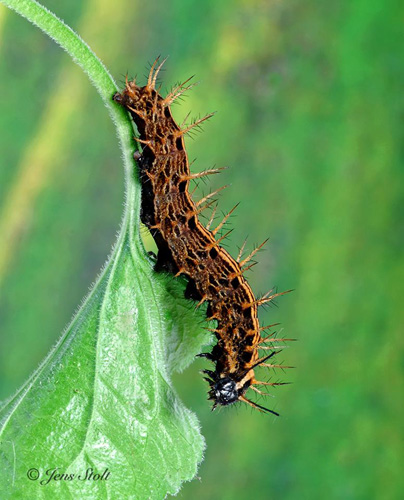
(186, 247)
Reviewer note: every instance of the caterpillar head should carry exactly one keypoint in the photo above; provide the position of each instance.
(225, 391)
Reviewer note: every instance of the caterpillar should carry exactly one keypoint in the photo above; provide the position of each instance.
(186, 247)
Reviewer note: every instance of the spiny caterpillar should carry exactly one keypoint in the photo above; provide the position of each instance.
(186, 247)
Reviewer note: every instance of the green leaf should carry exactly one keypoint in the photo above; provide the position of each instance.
(103, 398)
(102, 402)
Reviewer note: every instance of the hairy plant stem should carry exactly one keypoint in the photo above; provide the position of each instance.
(99, 76)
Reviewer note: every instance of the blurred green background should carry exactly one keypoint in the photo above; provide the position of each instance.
(309, 100)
